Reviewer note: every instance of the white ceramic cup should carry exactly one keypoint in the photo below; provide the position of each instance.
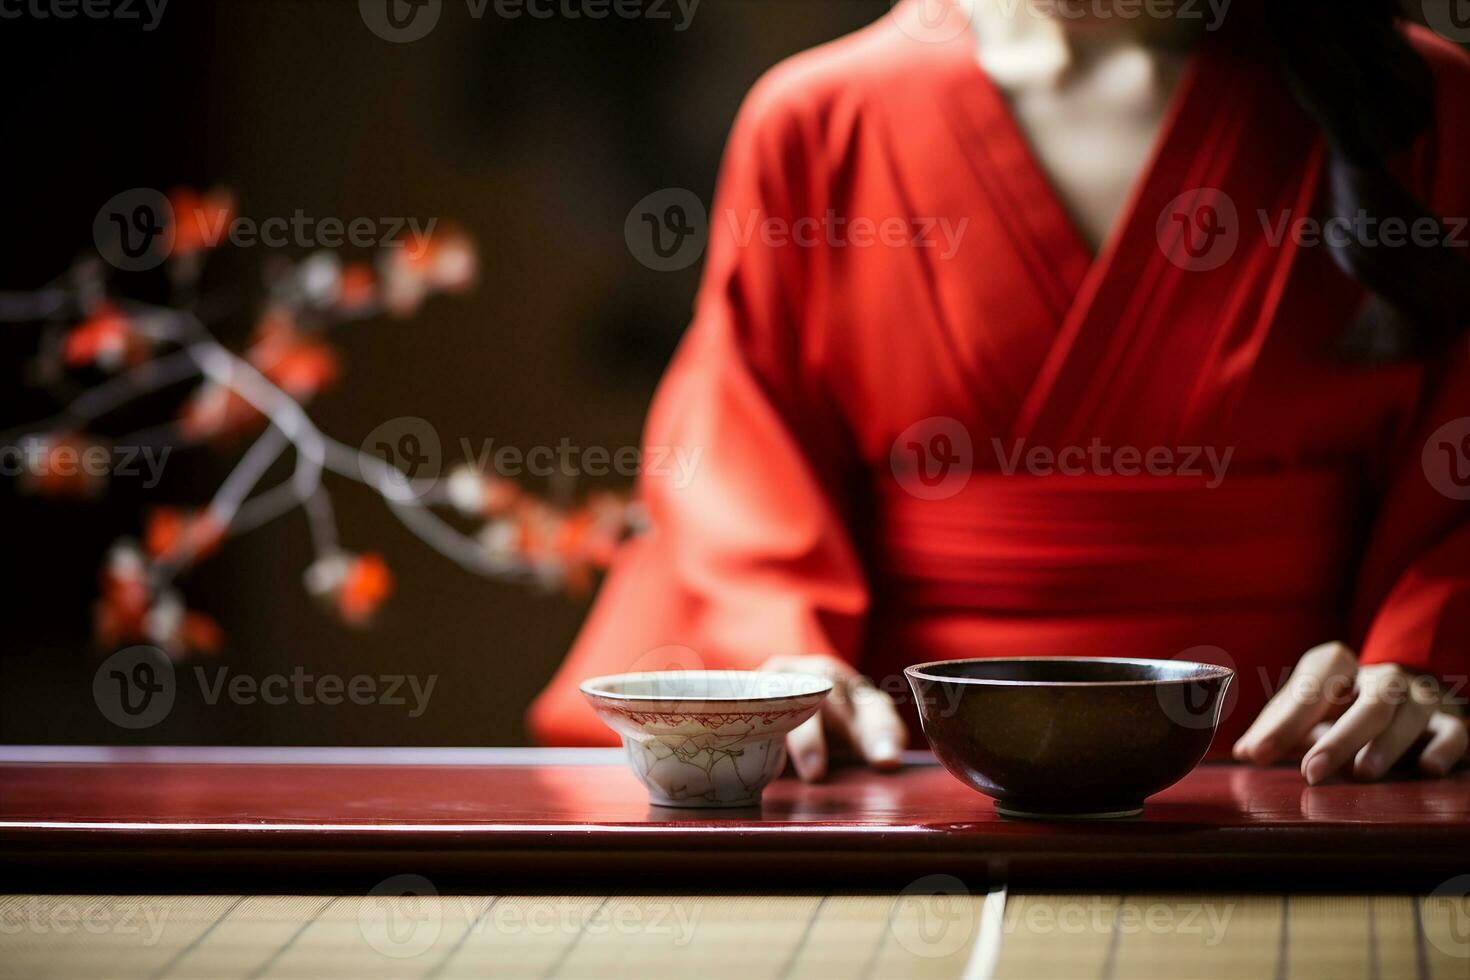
(705, 738)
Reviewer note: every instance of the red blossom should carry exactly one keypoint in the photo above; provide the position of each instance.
(298, 365)
(64, 466)
(425, 263)
(216, 412)
(122, 603)
(201, 221)
(106, 339)
(565, 547)
(200, 633)
(357, 289)
(447, 259)
(173, 534)
(180, 631)
(477, 494)
(368, 584)
(126, 613)
(354, 585)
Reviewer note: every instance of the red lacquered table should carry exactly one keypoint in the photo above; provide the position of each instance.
(579, 814)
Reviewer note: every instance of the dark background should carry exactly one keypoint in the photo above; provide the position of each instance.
(536, 136)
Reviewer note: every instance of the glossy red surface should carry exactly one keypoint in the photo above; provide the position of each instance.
(579, 814)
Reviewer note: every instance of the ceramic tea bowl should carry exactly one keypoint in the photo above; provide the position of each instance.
(1069, 737)
(705, 738)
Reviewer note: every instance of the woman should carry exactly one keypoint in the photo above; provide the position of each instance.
(1139, 371)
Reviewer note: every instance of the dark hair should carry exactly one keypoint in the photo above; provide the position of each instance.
(1353, 70)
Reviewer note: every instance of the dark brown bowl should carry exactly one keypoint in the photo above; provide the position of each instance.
(1069, 737)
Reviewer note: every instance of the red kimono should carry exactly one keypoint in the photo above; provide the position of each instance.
(962, 434)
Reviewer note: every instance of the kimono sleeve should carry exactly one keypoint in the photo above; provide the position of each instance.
(1419, 558)
(747, 554)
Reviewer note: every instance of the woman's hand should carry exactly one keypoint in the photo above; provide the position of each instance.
(855, 718)
(1337, 712)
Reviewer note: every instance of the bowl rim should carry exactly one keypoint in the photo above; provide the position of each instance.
(592, 687)
(1200, 672)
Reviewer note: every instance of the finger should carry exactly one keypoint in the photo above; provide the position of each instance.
(1323, 673)
(808, 749)
(1302, 703)
(876, 729)
(1312, 738)
(809, 745)
(1448, 740)
(1375, 758)
(1365, 720)
(837, 725)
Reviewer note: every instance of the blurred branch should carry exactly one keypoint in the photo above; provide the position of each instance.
(148, 348)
